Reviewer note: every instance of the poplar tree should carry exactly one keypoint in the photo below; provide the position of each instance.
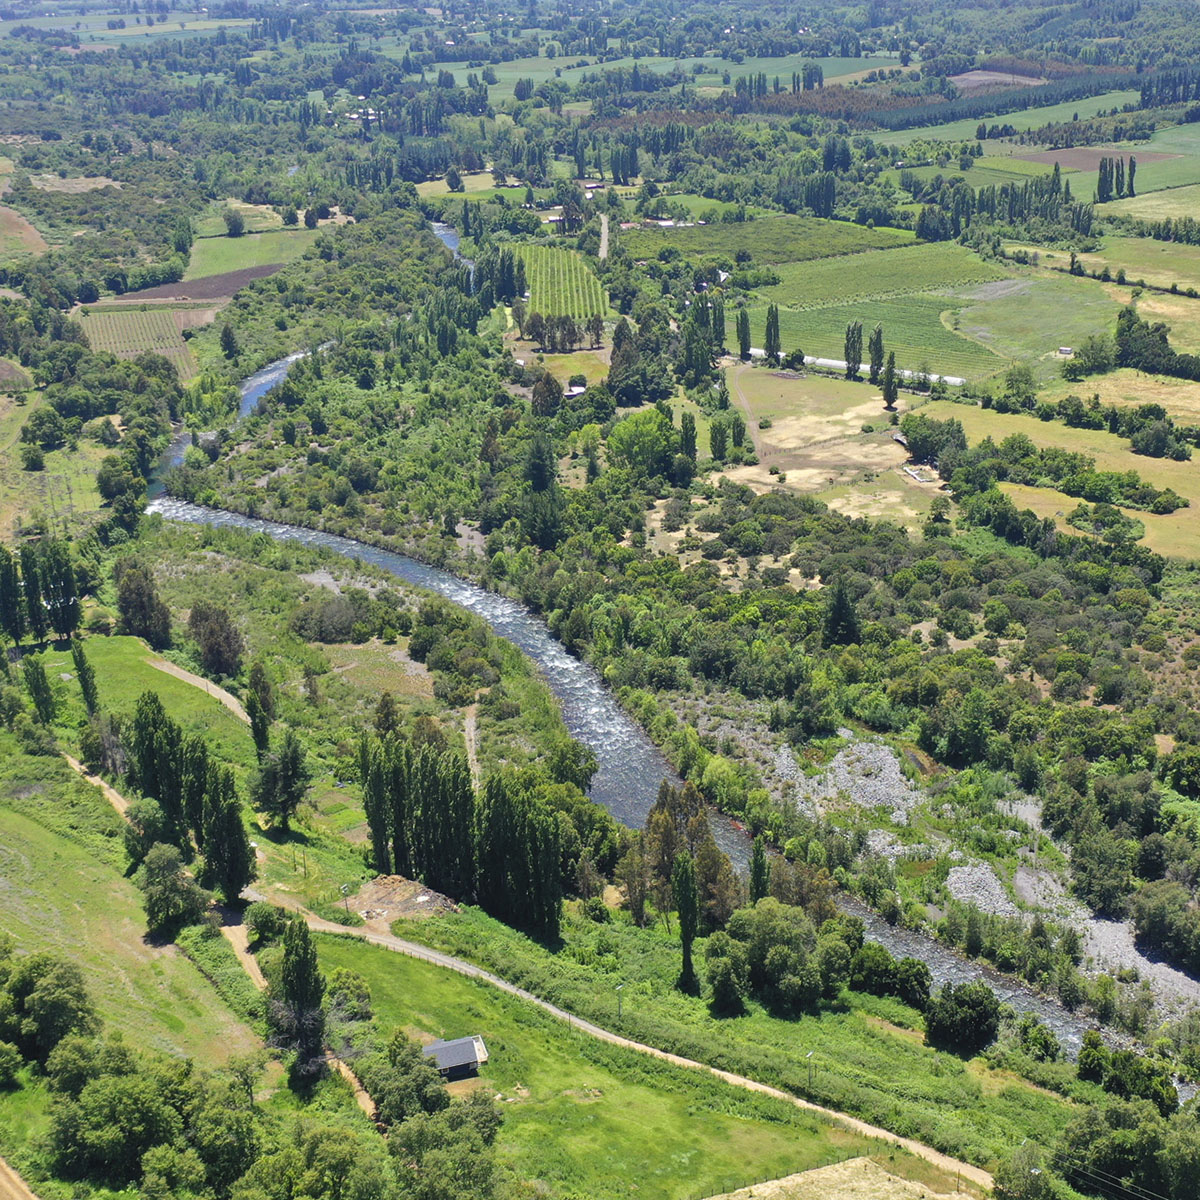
(35, 608)
(875, 353)
(302, 988)
(39, 688)
(687, 435)
(86, 674)
(58, 584)
(12, 610)
(891, 383)
(853, 350)
(760, 871)
(687, 904)
(228, 856)
(772, 345)
(743, 335)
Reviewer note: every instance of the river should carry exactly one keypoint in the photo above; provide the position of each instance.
(630, 766)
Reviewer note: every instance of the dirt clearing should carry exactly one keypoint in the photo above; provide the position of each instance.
(1087, 158)
(854, 1179)
(387, 898)
(208, 287)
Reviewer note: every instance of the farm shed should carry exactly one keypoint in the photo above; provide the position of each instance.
(463, 1056)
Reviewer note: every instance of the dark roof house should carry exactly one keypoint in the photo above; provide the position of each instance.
(462, 1056)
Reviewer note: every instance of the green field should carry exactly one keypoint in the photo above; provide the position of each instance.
(127, 332)
(879, 275)
(983, 172)
(768, 240)
(1160, 264)
(259, 218)
(1027, 320)
(912, 327)
(869, 1056)
(1154, 206)
(216, 255)
(62, 867)
(561, 283)
(570, 1100)
(1031, 118)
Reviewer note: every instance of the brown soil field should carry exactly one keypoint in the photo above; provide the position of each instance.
(1087, 158)
(210, 287)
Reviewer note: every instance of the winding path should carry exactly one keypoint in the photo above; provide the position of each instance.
(390, 942)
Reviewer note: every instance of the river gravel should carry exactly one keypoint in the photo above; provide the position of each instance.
(866, 772)
(976, 883)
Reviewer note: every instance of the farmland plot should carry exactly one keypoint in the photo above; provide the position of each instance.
(130, 332)
(561, 283)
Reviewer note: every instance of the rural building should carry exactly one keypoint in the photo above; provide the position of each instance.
(454, 1060)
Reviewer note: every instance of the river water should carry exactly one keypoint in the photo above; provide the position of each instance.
(630, 766)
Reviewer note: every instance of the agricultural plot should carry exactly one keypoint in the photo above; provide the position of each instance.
(128, 332)
(216, 255)
(1161, 264)
(1028, 319)
(1031, 118)
(478, 181)
(983, 172)
(1173, 202)
(768, 240)
(17, 236)
(879, 275)
(912, 326)
(561, 283)
(259, 218)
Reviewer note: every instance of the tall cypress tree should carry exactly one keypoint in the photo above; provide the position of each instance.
(841, 618)
(760, 871)
(743, 335)
(372, 771)
(86, 675)
(772, 345)
(687, 904)
(31, 580)
(228, 856)
(12, 610)
(875, 348)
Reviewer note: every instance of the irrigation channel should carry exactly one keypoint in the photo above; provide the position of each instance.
(630, 766)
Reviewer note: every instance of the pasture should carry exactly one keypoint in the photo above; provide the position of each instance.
(913, 326)
(1176, 535)
(767, 240)
(1027, 319)
(1158, 263)
(561, 283)
(1173, 202)
(62, 861)
(479, 181)
(879, 275)
(216, 255)
(259, 218)
(127, 332)
(1179, 397)
(568, 1099)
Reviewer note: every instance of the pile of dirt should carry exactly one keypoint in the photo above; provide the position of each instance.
(387, 898)
(854, 1179)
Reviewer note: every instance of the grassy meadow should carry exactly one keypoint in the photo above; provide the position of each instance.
(216, 255)
(66, 889)
(869, 1056)
(568, 1099)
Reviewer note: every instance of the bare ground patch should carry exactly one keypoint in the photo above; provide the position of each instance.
(17, 234)
(854, 1179)
(208, 287)
(73, 186)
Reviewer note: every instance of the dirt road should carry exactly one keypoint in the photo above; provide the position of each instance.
(12, 1186)
(390, 942)
(110, 793)
(230, 701)
(603, 237)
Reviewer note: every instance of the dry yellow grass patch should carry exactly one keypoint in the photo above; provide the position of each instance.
(854, 1179)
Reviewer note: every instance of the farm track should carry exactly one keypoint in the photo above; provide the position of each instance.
(389, 941)
(12, 1186)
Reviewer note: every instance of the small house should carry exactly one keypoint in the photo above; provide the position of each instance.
(459, 1058)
